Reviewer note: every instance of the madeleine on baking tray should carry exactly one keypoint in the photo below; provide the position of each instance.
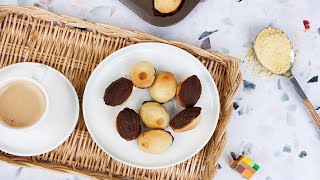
(167, 6)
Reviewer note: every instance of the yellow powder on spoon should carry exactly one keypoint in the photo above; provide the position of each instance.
(274, 50)
(254, 64)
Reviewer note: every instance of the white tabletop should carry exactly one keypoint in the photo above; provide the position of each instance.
(271, 125)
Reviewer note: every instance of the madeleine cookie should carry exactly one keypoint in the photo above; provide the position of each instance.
(154, 115)
(128, 124)
(142, 74)
(186, 120)
(189, 91)
(118, 92)
(167, 6)
(164, 87)
(155, 141)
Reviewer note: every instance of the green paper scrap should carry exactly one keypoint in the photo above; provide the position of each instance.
(256, 167)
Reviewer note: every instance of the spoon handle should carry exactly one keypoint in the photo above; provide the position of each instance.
(306, 101)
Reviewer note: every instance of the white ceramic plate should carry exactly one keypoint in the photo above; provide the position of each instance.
(100, 119)
(60, 120)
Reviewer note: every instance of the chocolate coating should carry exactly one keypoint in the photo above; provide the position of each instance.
(118, 92)
(128, 124)
(185, 117)
(190, 91)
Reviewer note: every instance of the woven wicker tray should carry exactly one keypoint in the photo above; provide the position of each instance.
(75, 47)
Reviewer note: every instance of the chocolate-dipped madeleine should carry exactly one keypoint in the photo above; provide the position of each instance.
(155, 141)
(166, 6)
(186, 120)
(164, 87)
(128, 124)
(189, 91)
(142, 74)
(154, 115)
(118, 92)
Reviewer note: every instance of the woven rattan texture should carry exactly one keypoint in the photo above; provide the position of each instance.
(75, 47)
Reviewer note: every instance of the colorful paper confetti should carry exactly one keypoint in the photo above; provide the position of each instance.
(303, 154)
(206, 34)
(313, 79)
(235, 105)
(306, 24)
(245, 166)
(248, 85)
(233, 155)
(286, 149)
(206, 44)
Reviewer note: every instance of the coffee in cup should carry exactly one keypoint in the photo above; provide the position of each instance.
(23, 103)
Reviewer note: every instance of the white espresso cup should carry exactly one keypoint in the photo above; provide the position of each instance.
(4, 84)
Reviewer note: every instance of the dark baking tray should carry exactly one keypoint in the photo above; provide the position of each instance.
(144, 9)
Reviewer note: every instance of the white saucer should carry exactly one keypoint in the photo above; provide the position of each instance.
(60, 120)
(100, 119)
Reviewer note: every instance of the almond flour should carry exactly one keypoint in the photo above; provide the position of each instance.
(254, 64)
(274, 50)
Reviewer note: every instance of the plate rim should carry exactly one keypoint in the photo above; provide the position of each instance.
(123, 50)
(68, 134)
